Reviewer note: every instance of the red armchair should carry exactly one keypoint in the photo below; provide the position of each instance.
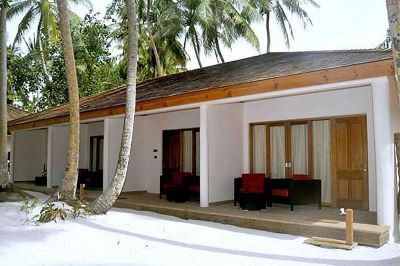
(249, 184)
(175, 180)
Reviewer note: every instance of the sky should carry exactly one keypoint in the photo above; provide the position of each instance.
(337, 24)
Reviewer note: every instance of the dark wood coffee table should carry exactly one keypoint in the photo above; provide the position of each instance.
(177, 194)
(253, 201)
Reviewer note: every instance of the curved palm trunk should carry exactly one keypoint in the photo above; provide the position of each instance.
(267, 26)
(219, 50)
(68, 186)
(197, 51)
(106, 200)
(159, 71)
(4, 177)
(43, 61)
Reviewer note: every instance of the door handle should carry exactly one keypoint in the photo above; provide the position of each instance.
(365, 169)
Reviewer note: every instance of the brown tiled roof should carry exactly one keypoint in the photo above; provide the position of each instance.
(262, 67)
(15, 113)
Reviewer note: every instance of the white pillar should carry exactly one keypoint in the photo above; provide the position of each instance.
(12, 149)
(49, 156)
(384, 153)
(204, 156)
(106, 151)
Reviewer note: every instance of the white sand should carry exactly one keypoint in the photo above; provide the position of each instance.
(127, 237)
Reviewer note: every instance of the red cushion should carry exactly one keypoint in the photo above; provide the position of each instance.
(167, 186)
(301, 177)
(177, 177)
(243, 190)
(195, 188)
(253, 183)
(280, 192)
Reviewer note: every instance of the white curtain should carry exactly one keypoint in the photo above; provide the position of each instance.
(187, 151)
(322, 158)
(299, 147)
(259, 148)
(198, 153)
(277, 142)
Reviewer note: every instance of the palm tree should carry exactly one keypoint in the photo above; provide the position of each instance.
(106, 200)
(280, 8)
(45, 11)
(208, 23)
(68, 187)
(159, 28)
(4, 177)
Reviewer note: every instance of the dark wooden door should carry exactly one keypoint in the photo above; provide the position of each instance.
(172, 151)
(349, 162)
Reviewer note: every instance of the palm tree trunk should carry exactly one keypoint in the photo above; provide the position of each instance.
(106, 200)
(4, 177)
(219, 50)
(43, 61)
(159, 72)
(68, 186)
(267, 25)
(197, 50)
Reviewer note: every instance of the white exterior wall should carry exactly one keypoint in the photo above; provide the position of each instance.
(225, 139)
(59, 153)
(59, 149)
(137, 169)
(113, 143)
(350, 101)
(155, 125)
(29, 154)
(144, 170)
(387, 122)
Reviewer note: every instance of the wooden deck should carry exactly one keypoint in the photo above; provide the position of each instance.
(303, 221)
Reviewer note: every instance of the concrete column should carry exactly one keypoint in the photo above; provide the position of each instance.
(204, 156)
(49, 156)
(106, 151)
(384, 153)
(12, 149)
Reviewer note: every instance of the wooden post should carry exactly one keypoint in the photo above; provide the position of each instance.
(82, 192)
(349, 227)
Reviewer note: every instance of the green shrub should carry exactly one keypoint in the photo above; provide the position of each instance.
(28, 206)
(50, 213)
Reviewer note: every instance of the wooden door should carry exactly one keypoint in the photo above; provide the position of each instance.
(172, 151)
(349, 162)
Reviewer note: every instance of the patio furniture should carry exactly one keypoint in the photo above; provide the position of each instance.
(40, 180)
(299, 190)
(176, 179)
(246, 186)
(252, 201)
(192, 185)
(177, 194)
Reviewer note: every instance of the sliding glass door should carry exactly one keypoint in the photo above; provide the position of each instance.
(284, 149)
(181, 151)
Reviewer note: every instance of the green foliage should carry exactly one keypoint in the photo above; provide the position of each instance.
(81, 208)
(50, 213)
(53, 211)
(96, 67)
(28, 206)
(167, 29)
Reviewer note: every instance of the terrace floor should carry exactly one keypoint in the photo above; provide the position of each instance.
(303, 221)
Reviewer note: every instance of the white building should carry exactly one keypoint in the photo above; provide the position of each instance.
(329, 114)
